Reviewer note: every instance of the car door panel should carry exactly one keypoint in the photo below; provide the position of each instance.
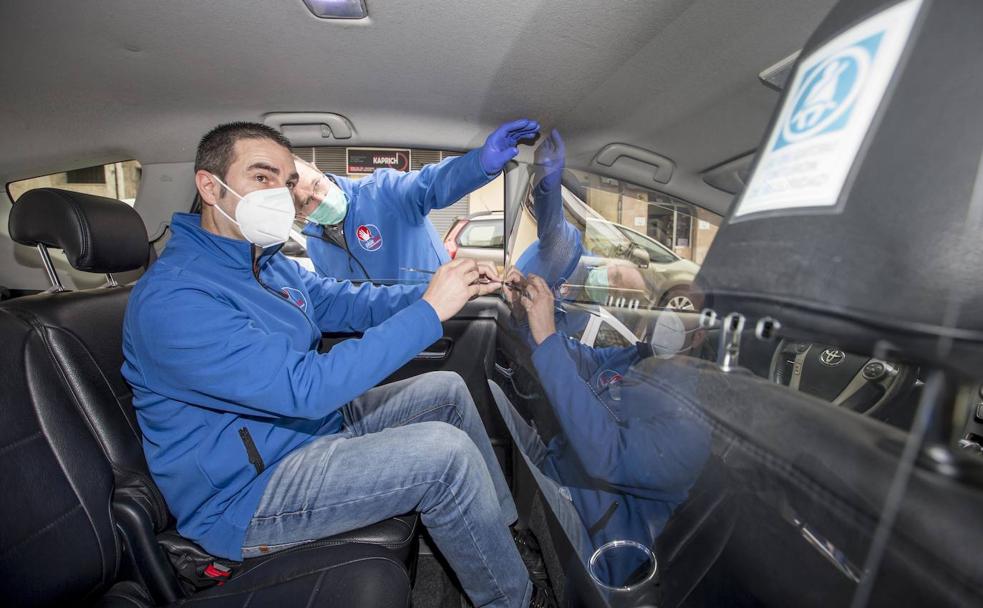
(466, 348)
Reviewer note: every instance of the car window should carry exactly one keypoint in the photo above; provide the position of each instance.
(119, 180)
(484, 233)
(648, 217)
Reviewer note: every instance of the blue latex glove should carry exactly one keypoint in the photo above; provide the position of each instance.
(549, 162)
(501, 145)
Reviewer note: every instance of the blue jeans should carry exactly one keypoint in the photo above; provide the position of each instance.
(415, 445)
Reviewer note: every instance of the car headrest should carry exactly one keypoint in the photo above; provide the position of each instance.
(862, 222)
(97, 234)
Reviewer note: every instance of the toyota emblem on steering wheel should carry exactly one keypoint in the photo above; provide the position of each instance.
(832, 357)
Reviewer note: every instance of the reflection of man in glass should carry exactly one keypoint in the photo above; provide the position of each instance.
(625, 457)
(558, 248)
(557, 254)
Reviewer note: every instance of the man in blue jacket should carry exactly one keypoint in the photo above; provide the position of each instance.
(257, 441)
(377, 227)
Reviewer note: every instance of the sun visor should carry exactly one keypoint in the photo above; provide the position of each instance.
(862, 219)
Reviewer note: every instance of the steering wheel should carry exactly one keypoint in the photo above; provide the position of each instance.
(860, 383)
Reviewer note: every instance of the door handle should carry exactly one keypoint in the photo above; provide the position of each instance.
(438, 351)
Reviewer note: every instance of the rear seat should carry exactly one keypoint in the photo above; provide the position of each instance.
(73, 450)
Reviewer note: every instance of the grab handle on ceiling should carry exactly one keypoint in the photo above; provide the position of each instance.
(635, 164)
(306, 123)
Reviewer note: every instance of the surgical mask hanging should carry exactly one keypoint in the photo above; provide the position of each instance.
(332, 208)
(264, 217)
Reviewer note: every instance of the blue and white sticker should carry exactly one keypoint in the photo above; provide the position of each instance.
(834, 97)
(369, 237)
(296, 297)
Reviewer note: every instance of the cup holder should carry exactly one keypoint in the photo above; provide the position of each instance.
(622, 565)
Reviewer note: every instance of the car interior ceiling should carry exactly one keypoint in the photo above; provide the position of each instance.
(824, 381)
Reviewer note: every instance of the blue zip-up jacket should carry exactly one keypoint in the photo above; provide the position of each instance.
(627, 453)
(386, 228)
(220, 343)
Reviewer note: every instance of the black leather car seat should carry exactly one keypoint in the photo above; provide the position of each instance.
(77, 338)
(58, 538)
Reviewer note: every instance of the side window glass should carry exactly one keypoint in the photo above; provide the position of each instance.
(118, 180)
(482, 234)
(498, 238)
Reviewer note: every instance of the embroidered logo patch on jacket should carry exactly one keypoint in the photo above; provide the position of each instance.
(369, 237)
(296, 297)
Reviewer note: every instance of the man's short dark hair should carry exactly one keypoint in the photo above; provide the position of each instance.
(215, 148)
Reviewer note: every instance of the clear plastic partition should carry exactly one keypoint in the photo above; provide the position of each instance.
(688, 440)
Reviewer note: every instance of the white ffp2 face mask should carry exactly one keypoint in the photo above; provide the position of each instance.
(263, 216)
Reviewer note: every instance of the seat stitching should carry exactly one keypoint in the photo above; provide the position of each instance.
(19, 442)
(315, 589)
(54, 522)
